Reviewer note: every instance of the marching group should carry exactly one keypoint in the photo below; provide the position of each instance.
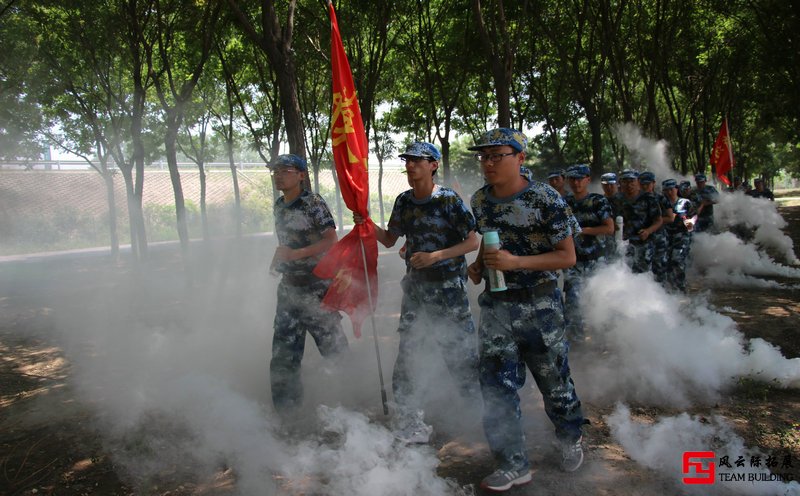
(529, 324)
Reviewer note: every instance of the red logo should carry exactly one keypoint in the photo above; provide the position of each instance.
(693, 470)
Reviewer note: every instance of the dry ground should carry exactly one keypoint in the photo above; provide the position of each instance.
(48, 444)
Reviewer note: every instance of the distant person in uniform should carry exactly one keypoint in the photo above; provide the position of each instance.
(648, 182)
(761, 191)
(704, 197)
(641, 218)
(594, 214)
(555, 178)
(679, 236)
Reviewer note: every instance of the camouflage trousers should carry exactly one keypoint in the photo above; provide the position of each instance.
(679, 246)
(434, 313)
(514, 335)
(298, 311)
(639, 256)
(660, 255)
(573, 284)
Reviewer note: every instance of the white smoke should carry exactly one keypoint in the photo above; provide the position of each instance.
(365, 460)
(178, 382)
(758, 215)
(664, 349)
(660, 446)
(653, 154)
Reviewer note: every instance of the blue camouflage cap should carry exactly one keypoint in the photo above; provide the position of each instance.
(683, 185)
(502, 136)
(629, 174)
(555, 173)
(290, 160)
(579, 171)
(647, 177)
(421, 149)
(608, 178)
(669, 184)
(700, 177)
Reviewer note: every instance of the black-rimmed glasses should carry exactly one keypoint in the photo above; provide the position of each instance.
(492, 157)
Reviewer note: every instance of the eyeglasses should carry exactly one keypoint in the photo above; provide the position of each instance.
(492, 157)
(415, 160)
(280, 172)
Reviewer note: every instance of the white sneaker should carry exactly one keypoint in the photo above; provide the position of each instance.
(503, 480)
(415, 433)
(571, 455)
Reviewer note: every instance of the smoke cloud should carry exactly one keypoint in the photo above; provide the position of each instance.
(660, 446)
(665, 349)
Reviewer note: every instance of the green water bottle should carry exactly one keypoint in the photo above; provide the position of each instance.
(491, 243)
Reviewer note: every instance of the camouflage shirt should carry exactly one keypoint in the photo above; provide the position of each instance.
(639, 214)
(707, 193)
(301, 223)
(665, 205)
(529, 223)
(684, 209)
(591, 211)
(440, 221)
(616, 200)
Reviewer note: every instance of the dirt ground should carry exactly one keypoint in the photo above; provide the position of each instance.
(49, 443)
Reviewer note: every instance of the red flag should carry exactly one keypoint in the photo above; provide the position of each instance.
(722, 154)
(347, 260)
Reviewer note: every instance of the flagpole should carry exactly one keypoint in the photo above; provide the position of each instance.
(384, 401)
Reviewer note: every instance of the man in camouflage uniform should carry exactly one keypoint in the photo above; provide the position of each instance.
(647, 180)
(556, 179)
(704, 197)
(679, 236)
(641, 218)
(523, 325)
(439, 230)
(608, 182)
(594, 215)
(305, 230)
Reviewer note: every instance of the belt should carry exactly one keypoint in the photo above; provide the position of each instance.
(520, 295)
(299, 279)
(586, 258)
(432, 275)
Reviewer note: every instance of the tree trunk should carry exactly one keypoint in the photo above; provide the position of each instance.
(108, 179)
(170, 149)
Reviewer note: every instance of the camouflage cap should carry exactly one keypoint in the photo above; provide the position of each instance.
(579, 171)
(700, 177)
(289, 160)
(502, 136)
(608, 178)
(555, 173)
(647, 177)
(421, 149)
(684, 185)
(669, 184)
(629, 174)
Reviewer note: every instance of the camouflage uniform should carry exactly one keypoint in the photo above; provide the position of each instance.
(660, 243)
(615, 201)
(435, 298)
(705, 219)
(300, 223)
(639, 214)
(591, 211)
(525, 324)
(680, 241)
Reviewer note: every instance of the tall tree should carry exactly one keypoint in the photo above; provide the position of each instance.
(275, 37)
(184, 36)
